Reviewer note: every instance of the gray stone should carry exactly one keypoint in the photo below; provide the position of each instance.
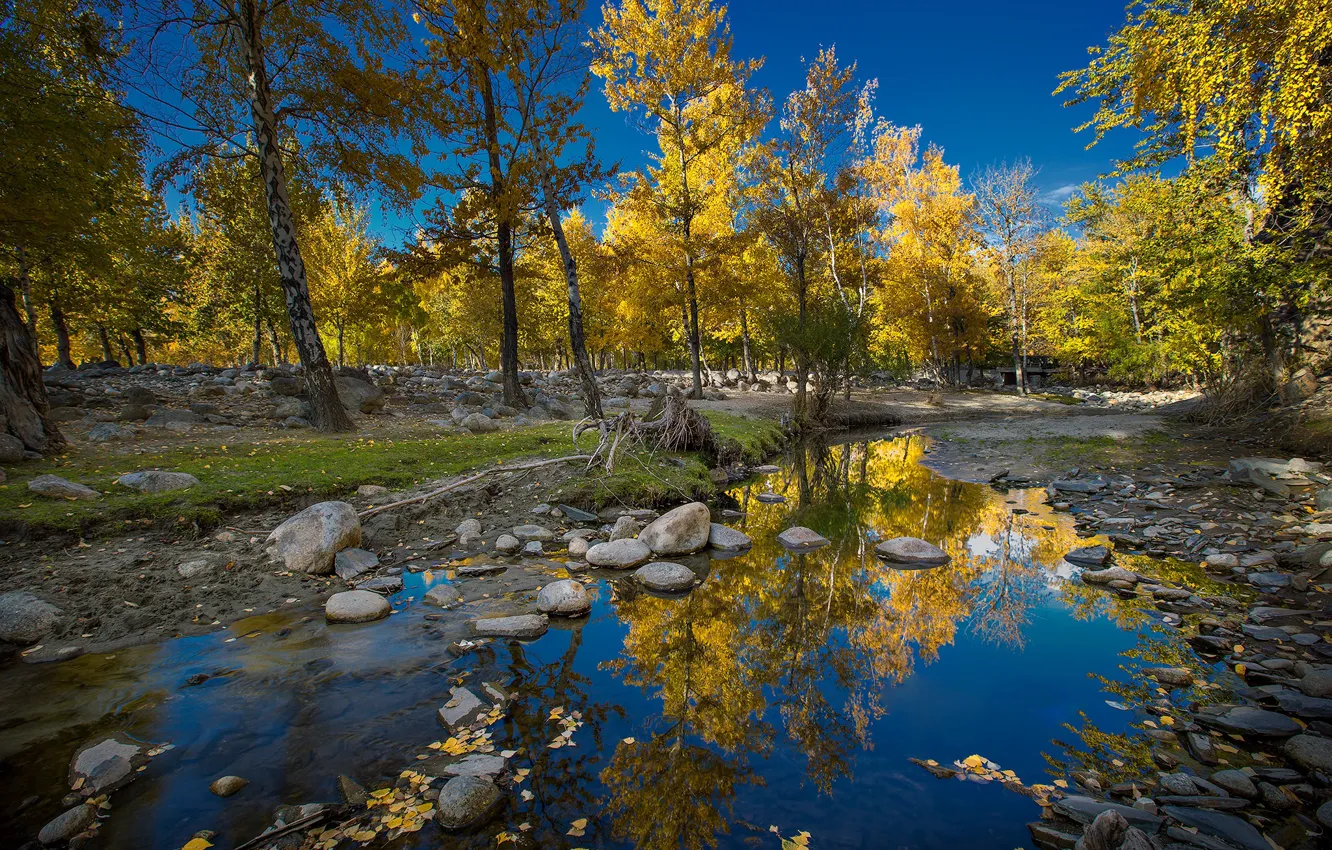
(1104, 833)
(564, 598)
(508, 544)
(106, 764)
(521, 626)
(352, 792)
(350, 563)
(1310, 752)
(727, 538)
(476, 764)
(157, 481)
(479, 423)
(466, 800)
(911, 552)
(770, 498)
(527, 533)
(24, 618)
(1267, 615)
(619, 554)
(463, 708)
(1317, 683)
(382, 584)
(1089, 556)
(1324, 813)
(356, 606)
(442, 595)
(359, 395)
(181, 419)
(1247, 720)
(1178, 677)
(1265, 632)
(196, 567)
(799, 538)
(578, 547)
(55, 487)
(1236, 782)
(626, 527)
(678, 531)
(367, 491)
(308, 541)
(69, 824)
(1230, 828)
(577, 514)
(105, 431)
(1108, 575)
(11, 448)
(1085, 809)
(228, 785)
(1178, 783)
(1095, 485)
(286, 385)
(665, 577)
(468, 528)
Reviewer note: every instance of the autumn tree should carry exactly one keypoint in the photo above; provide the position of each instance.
(344, 269)
(254, 78)
(668, 63)
(1011, 219)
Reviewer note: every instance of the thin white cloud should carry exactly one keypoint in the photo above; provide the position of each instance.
(1059, 195)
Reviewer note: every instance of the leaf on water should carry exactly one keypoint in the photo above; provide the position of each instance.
(197, 844)
(508, 754)
(364, 836)
(974, 762)
(393, 822)
(1061, 783)
(629, 741)
(381, 793)
(527, 796)
(580, 823)
(1118, 705)
(1167, 720)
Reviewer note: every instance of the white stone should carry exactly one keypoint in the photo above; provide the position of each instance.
(308, 541)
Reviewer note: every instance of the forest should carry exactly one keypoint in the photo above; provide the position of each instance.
(205, 180)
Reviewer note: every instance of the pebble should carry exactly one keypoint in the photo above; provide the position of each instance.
(356, 606)
(228, 785)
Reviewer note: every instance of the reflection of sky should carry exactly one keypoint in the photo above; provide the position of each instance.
(291, 714)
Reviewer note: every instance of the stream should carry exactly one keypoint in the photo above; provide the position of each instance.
(783, 695)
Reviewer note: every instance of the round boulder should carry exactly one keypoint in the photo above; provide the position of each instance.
(565, 598)
(356, 606)
(911, 552)
(157, 481)
(24, 618)
(65, 826)
(665, 577)
(465, 800)
(678, 531)
(1310, 752)
(619, 554)
(309, 541)
(228, 785)
(724, 537)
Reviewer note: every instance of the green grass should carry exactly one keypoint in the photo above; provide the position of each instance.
(1102, 450)
(297, 469)
(1058, 398)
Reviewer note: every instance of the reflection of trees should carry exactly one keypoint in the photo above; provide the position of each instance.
(809, 641)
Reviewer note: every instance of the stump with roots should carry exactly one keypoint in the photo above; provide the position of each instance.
(677, 428)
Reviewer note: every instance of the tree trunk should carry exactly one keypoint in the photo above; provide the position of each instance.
(1019, 375)
(141, 347)
(577, 339)
(107, 354)
(279, 350)
(327, 413)
(23, 404)
(801, 411)
(124, 347)
(63, 356)
(342, 328)
(29, 305)
(258, 322)
(744, 340)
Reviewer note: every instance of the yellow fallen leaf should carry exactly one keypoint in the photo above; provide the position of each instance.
(580, 823)
(381, 793)
(197, 844)
(974, 762)
(1167, 720)
(363, 836)
(1061, 783)
(393, 823)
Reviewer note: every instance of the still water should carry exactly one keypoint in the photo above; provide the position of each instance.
(785, 691)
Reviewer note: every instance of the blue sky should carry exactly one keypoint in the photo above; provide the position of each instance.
(976, 75)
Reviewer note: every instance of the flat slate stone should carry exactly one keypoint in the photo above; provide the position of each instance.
(351, 562)
(1265, 632)
(521, 626)
(912, 553)
(1247, 720)
(442, 595)
(1108, 575)
(1089, 556)
(800, 538)
(462, 708)
(1231, 828)
(577, 514)
(1085, 809)
(107, 763)
(527, 533)
(1266, 614)
(771, 498)
(476, 764)
(382, 584)
(157, 481)
(665, 577)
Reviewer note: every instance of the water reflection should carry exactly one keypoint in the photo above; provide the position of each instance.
(786, 689)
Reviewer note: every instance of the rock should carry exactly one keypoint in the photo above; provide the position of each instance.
(1310, 752)
(174, 419)
(196, 567)
(1047, 837)
(508, 544)
(228, 785)
(106, 764)
(527, 533)
(521, 626)
(69, 824)
(308, 541)
(1247, 720)
(678, 531)
(626, 527)
(1235, 782)
(619, 554)
(1267, 615)
(1089, 556)
(106, 431)
(911, 552)
(11, 448)
(468, 528)
(665, 577)
(359, 395)
(1078, 486)
(463, 708)
(727, 538)
(55, 487)
(1108, 575)
(479, 423)
(139, 395)
(1235, 830)
(576, 514)
(1178, 783)
(442, 595)
(157, 481)
(1317, 683)
(799, 538)
(1085, 810)
(476, 764)
(369, 490)
(356, 606)
(1324, 814)
(578, 547)
(287, 385)
(1178, 677)
(1104, 833)
(564, 598)
(382, 584)
(351, 562)
(770, 498)
(24, 618)
(352, 792)
(465, 800)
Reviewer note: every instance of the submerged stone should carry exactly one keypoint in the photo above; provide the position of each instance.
(800, 538)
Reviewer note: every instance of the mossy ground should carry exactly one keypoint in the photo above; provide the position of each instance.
(300, 468)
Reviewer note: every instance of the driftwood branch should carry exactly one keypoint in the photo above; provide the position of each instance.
(468, 480)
